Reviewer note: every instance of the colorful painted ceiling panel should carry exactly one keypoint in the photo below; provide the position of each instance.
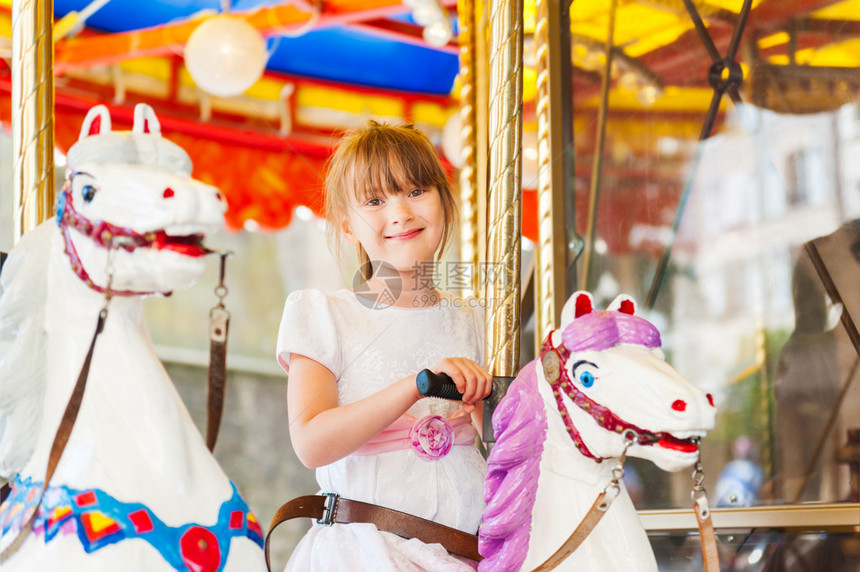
(357, 59)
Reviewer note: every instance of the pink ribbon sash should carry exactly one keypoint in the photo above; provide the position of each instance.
(431, 437)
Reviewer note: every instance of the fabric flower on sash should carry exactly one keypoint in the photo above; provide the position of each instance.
(431, 437)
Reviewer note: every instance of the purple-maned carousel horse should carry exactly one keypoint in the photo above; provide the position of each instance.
(135, 488)
(600, 386)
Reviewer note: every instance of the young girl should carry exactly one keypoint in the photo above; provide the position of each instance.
(352, 358)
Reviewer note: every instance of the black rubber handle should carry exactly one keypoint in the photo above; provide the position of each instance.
(440, 385)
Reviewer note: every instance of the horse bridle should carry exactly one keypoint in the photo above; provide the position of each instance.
(103, 233)
(553, 360)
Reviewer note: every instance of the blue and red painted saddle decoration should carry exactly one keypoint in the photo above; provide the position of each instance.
(100, 520)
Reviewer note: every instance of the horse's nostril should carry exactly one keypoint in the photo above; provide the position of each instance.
(710, 399)
(168, 193)
(219, 196)
(679, 405)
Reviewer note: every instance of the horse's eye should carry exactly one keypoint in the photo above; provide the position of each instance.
(88, 192)
(587, 378)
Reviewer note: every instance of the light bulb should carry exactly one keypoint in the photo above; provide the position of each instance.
(648, 94)
(438, 33)
(225, 55)
(426, 13)
(629, 80)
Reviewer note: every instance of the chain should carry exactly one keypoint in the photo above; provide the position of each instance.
(698, 471)
(613, 489)
(698, 494)
(219, 317)
(221, 289)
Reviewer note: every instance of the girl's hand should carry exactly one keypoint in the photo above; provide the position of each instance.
(473, 381)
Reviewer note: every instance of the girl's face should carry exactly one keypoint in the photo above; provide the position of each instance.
(402, 229)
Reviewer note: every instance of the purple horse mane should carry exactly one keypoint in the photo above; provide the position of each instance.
(512, 474)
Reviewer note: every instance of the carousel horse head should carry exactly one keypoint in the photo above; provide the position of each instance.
(129, 196)
(610, 376)
(128, 202)
(599, 390)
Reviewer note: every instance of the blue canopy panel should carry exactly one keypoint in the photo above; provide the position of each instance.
(126, 15)
(336, 53)
(344, 55)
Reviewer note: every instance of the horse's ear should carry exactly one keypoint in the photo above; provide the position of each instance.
(584, 304)
(579, 304)
(145, 120)
(96, 122)
(624, 304)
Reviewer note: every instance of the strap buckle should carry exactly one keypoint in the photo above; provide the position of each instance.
(329, 509)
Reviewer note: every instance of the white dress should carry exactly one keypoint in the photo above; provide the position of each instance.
(367, 349)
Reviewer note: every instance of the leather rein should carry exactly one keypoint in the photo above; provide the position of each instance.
(61, 438)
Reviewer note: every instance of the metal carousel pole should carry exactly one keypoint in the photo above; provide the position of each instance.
(32, 126)
(32, 113)
(502, 270)
(555, 160)
(469, 203)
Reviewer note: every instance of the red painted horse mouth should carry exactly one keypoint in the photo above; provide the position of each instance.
(668, 441)
(187, 245)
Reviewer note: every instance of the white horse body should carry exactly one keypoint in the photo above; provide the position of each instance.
(133, 439)
(628, 388)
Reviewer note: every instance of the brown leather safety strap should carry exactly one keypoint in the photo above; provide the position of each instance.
(219, 324)
(67, 423)
(331, 509)
(707, 538)
(592, 517)
(219, 321)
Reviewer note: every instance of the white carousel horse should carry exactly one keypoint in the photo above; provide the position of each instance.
(136, 488)
(558, 443)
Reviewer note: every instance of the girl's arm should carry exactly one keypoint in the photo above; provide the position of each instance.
(323, 432)
(320, 430)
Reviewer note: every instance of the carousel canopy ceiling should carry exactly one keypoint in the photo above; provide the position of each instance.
(333, 64)
(352, 53)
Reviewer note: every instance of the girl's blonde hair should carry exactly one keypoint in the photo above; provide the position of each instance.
(381, 159)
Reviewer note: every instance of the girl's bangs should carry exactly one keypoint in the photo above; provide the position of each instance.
(388, 167)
